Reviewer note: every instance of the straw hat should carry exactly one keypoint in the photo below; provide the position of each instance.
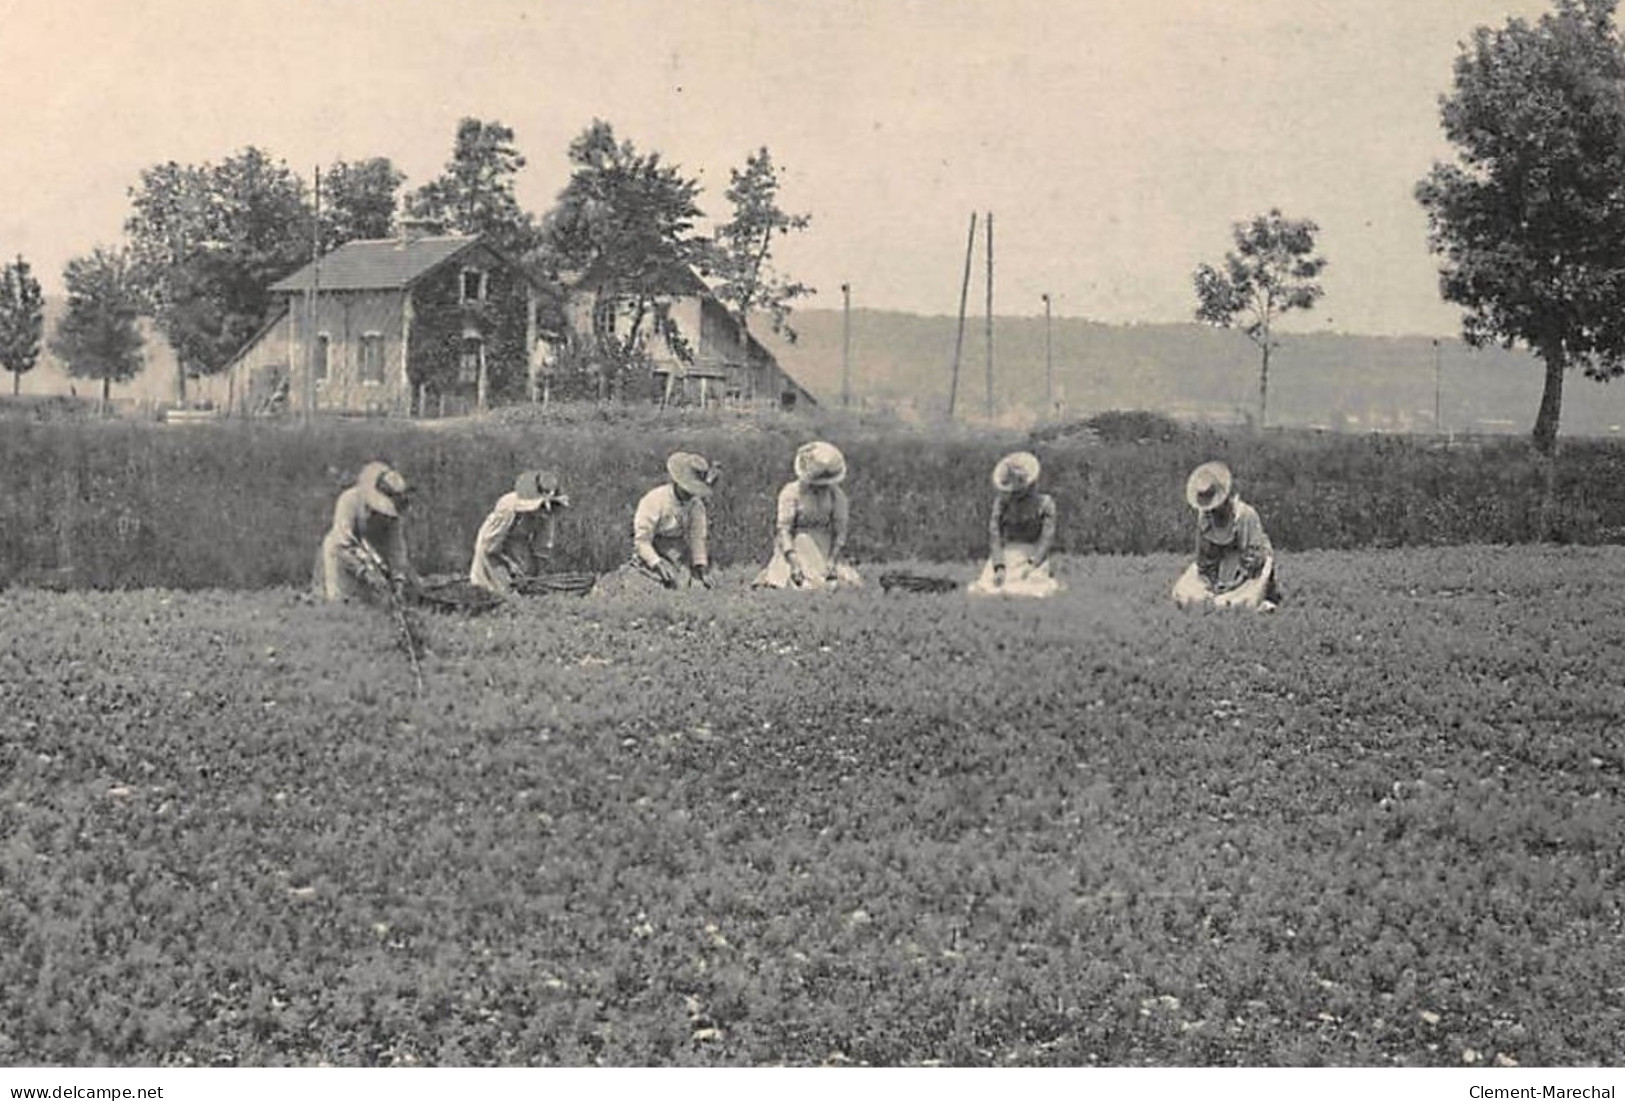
(1015, 471)
(536, 489)
(383, 488)
(820, 464)
(692, 473)
(1208, 487)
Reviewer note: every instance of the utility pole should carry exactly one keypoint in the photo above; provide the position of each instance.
(313, 301)
(846, 345)
(1438, 425)
(990, 315)
(959, 340)
(1049, 364)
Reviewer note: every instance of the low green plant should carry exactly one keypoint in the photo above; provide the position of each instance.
(1380, 827)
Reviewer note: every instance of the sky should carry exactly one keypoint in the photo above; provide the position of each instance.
(1114, 141)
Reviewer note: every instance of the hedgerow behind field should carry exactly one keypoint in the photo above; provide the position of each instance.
(244, 505)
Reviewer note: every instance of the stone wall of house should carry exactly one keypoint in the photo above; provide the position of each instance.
(365, 362)
(261, 371)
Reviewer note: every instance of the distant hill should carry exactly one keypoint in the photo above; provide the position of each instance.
(1335, 381)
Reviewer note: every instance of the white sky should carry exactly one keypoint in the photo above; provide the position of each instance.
(1114, 140)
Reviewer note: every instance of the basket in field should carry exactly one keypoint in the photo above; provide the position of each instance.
(451, 593)
(906, 582)
(556, 584)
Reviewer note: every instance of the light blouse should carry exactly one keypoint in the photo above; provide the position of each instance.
(662, 524)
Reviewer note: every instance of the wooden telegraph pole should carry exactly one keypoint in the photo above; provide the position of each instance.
(312, 301)
(1438, 423)
(846, 345)
(1049, 365)
(990, 315)
(959, 340)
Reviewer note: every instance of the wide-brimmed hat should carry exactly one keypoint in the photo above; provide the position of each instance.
(692, 473)
(536, 489)
(383, 488)
(1015, 471)
(820, 464)
(1208, 487)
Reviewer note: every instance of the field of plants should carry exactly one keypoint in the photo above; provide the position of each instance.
(1385, 825)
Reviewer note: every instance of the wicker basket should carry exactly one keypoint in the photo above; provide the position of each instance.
(905, 582)
(556, 584)
(450, 593)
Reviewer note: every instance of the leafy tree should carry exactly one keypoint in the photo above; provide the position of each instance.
(358, 201)
(207, 242)
(624, 226)
(1271, 272)
(98, 336)
(475, 193)
(22, 320)
(1530, 221)
(743, 254)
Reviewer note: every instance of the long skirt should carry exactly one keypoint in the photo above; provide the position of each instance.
(812, 552)
(635, 576)
(495, 572)
(341, 575)
(1191, 590)
(1020, 577)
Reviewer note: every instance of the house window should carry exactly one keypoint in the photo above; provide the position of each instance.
(319, 358)
(372, 358)
(473, 285)
(468, 360)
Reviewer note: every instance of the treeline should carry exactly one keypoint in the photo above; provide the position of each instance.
(204, 243)
(244, 506)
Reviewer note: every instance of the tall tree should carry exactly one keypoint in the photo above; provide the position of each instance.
(475, 193)
(624, 226)
(1272, 271)
(22, 320)
(1530, 220)
(207, 242)
(358, 201)
(743, 256)
(98, 337)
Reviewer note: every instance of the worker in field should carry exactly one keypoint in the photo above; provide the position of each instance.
(519, 533)
(364, 552)
(809, 533)
(669, 530)
(1235, 564)
(1021, 532)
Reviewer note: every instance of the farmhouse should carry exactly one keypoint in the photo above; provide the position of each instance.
(433, 324)
(397, 326)
(701, 354)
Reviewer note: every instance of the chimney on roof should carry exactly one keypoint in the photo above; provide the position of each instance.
(415, 229)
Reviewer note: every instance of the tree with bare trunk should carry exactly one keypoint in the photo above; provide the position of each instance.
(1272, 271)
(1530, 219)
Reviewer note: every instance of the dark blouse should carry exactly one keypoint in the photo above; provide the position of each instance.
(1028, 518)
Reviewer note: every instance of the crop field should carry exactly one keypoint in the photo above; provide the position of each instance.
(1384, 825)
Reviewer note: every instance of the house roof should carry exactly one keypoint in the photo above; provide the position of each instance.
(272, 320)
(377, 265)
(678, 279)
